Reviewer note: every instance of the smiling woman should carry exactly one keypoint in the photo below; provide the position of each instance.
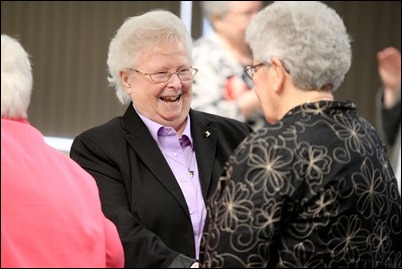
(159, 148)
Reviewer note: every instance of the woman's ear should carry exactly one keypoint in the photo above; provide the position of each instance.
(124, 77)
(280, 74)
(218, 22)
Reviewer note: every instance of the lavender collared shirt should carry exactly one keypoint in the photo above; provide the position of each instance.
(179, 154)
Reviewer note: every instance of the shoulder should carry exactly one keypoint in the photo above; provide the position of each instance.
(101, 135)
(204, 41)
(223, 123)
(207, 45)
(106, 129)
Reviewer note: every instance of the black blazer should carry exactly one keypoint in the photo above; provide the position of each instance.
(139, 192)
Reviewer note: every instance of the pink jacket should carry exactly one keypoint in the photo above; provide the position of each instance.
(50, 208)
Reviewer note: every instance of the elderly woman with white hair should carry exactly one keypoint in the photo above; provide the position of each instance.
(314, 188)
(51, 214)
(157, 164)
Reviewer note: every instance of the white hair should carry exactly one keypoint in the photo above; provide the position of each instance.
(309, 37)
(210, 8)
(136, 35)
(16, 79)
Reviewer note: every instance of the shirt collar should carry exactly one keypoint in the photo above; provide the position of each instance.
(157, 129)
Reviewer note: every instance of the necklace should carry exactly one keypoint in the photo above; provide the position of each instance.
(190, 172)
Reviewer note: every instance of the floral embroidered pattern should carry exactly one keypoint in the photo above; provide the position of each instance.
(314, 190)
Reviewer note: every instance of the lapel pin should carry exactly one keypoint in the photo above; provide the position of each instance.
(207, 134)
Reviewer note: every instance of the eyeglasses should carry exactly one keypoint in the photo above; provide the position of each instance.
(159, 77)
(252, 69)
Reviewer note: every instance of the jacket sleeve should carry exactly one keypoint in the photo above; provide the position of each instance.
(142, 248)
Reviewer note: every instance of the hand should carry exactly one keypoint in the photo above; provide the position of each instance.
(234, 88)
(389, 69)
(195, 265)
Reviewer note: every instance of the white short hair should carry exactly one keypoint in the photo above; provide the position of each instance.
(16, 79)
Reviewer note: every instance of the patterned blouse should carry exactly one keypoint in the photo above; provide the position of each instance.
(220, 81)
(313, 190)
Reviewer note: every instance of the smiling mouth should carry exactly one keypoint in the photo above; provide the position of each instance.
(170, 99)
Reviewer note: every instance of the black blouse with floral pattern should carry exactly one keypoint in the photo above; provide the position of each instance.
(314, 190)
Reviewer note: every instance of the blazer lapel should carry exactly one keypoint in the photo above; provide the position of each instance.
(142, 143)
(205, 135)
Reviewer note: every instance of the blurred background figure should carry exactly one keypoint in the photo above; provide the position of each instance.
(221, 86)
(50, 208)
(389, 105)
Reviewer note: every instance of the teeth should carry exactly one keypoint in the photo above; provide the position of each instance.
(170, 99)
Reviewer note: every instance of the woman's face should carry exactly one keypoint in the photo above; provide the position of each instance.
(167, 103)
(233, 25)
